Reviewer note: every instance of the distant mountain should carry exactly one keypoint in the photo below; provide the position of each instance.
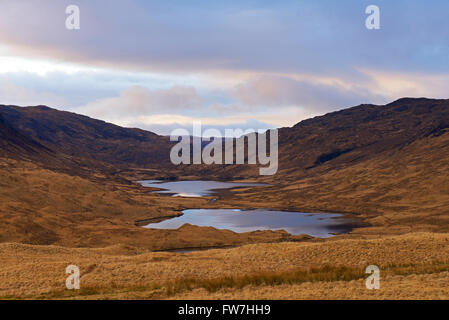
(347, 137)
(327, 142)
(386, 163)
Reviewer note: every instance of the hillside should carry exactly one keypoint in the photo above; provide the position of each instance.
(359, 133)
(13, 143)
(86, 138)
(326, 142)
(66, 194)
(344, 138)
(386, 165)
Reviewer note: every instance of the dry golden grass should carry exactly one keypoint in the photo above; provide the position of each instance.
(410, 287)
(395, 192)
(399, 187)
(278, 270)
(398, 194)
(40, 206)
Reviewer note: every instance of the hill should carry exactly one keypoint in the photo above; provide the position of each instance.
(326, 142)
(386, 165)
(345, 138)
(86, 138)
(13, 143)
(359, 133)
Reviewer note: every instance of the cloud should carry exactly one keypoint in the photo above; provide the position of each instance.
(274, 99)
(13, 94)
(137, 100)
(162, 103)
(279, 91)
(160, 64)
(326, 37)
(396, 85)
(270, 100)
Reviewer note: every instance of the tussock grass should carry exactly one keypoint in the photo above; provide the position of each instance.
(320, 274)
(171, 288)
(166, 289)
(407, 269)
(325, 273)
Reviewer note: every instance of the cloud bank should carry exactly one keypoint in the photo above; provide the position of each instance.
(162, 64)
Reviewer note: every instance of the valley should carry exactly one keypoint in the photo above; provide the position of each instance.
(69, 194)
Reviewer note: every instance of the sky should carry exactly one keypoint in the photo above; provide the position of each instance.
(160, 65)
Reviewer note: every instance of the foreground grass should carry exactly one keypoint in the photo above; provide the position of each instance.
(172, 288)
(322, 274)
(326, 273)
(408, 269)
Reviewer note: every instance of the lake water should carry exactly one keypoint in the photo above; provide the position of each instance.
(315, 224)
(194, 188)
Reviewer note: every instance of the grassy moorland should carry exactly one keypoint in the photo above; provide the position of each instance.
(412, 266)
(40, 206)
(66, 201)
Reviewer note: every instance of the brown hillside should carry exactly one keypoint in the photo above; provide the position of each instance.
(361, 132)
(85, 138)
(13, 143)
(387, 165)
(344, 138)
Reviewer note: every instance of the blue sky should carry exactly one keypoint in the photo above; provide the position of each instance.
(160, 65)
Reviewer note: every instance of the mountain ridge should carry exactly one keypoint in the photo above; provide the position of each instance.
(385, 165)
(324, 142)
(83, 137)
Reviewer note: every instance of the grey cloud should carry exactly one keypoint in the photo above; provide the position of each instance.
(328, 37)
(279, 91)
(137, 100)
(14, 94)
